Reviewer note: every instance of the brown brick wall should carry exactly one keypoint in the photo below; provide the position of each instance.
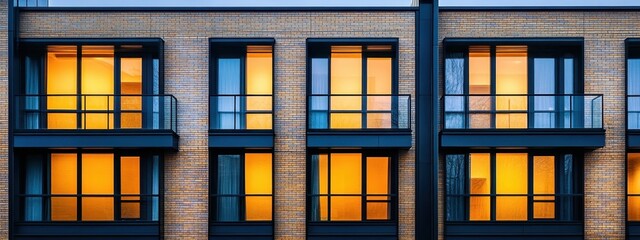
(186, 76)
(604, 34)
(4, 120)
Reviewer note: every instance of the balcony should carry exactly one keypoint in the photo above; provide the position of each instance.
(359, 121)
(241, 121)
(96, 121)
(522, 121)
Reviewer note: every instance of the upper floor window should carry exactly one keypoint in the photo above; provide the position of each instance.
(516, 86)
(513, 187)
(89, 186)
(92, 87)
(355, 87)
(242, 187)
(241, 87)
(351, 187)
(633, 87)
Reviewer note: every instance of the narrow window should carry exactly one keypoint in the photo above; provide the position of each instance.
(633, 186)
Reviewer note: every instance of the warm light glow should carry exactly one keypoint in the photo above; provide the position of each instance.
(479, 70)
(324, 185)
(258, 180)
(97, 178)
(259, 73)
(346, 72)
(480, 207)
(633, 186)
(259, 121)
(346, 120)
(379, 75)
(511, 178)
(346, 178)
(130, 184)
(378, 120)
(131, 83)
(63, 181)
(511, 78)
(544, 183)
(98, 78)
(377, 183)
(61, 79)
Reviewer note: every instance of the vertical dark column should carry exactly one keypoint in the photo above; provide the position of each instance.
(7, 162)
(426, 119)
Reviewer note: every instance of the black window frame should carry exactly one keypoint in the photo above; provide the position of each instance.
(556, 48)
(237, 48)
(149, 49)
(146, 159)
(321, 48)
(213, 166)
(577, 178)
(393, 185)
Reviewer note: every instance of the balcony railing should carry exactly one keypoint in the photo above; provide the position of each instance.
(519, 111)
(359, 112)
(96, 112)
(241, 112)
(633, 111)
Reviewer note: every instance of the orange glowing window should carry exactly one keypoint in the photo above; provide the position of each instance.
(131, 84)
(97, 178)
(511, 178)
(64, 170)
(130, 185)
(480, 206)
(258, 178)
(479, 70)
(544, 183)
(633, 186)
(511, 78)
(61, 80)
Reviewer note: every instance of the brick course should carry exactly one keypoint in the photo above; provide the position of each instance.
(186, 77)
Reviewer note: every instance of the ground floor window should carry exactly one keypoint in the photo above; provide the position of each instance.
(351, 186)
(89, 186)
(633, 186)
(241, 187)
(513, 186)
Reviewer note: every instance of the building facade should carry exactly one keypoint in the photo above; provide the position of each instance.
(319, 123)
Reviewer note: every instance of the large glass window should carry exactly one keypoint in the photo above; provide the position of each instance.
(90, 87)
(633, 88)
(633, 186)
(351, 187)
(516, 87)
(242, 187)
(354, 87)
(89, 186)
(513, 187)
(242, 87)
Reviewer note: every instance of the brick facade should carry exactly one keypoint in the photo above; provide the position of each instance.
(604, 34)
(186, 73)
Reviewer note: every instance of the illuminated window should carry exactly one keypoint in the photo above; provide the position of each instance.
(350, 187)
(512, 187)
(633, 186)
(242, 87)
(512, 87)
(352, 87)
(90, 87)
(86, 187)
(241, 188)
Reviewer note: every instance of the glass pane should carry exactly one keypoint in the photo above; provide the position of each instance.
(544, 210)
(544, 83)
(258, 208)
(346, 120)
(130, 210)
(568, 76)
(319, 76)
(511, 178)
(131, 120)
(454, 73)
(64, 209)
(479, 70)
(97, 173)
(97, 208)
(479, 120)
(511, 208)
(259, 103)
(62, 76)
(62, 121)
(346, 103)
(455, 183)
(33, 185)
(379, 120)
(544, 175)
(130, 184)
(131, 78)
(259, 70)
(511, 70)
(511, 120)
(379, 103)
(259, 121)
(377, 175)
(633, 173)
(229, 76)
(480, 171)
(346, 70)
(377, 211)
(97, 121)
(346, 173)
(97, 76)
(345, 208)
(258, 173)
(379, 75)
(633, 210)
(633, 76)
(63, 181)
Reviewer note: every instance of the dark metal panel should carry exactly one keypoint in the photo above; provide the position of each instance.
(167, 140)
(633, 140)
(633, 229)
(351, 231)
(522, 139)
(514, 229)
(359, 140)
(545, 41)
(393, 41)
(266, 41)
(241, 230)
(86, 230)
(241, 140)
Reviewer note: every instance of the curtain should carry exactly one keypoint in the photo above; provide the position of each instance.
(228, 184)
(229, 84)
(155, 188)
(33, 186)
(32, 86)
(633, 88)
(315, 188)
(455, 184)
(566, 186)
(454, 84)
(544, 83)
(319, 85)
(156, 91)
